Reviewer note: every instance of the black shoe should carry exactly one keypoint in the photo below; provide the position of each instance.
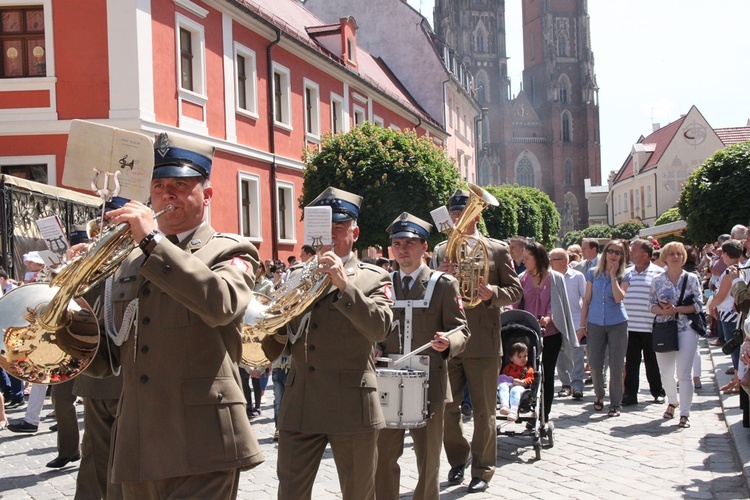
(477, 485)
(577, 394)
(659, 400)
(466, 410)
(63, 461)
(23, 426)
(15, 403)
(588, 381)
(53, 428)
(629, 401)
(456, 474)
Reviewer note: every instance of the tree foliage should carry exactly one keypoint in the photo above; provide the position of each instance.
(501, 221)
(627, 230)
(394, 171)
(572, 238)
(671, 215)
(598, 231)
(523, 211)
(714, 198)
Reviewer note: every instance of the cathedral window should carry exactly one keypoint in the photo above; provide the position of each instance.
(481, 97)
(566, 128)
(525, 173)
(562, 45)
(563, 89)
(568, 173)
(480, 43)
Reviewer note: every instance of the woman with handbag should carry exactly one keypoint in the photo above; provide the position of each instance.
(605, 322)
(675, 294)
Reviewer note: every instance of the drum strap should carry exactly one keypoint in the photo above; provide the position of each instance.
(410, 305)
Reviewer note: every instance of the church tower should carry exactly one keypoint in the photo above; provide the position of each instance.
(546, 136)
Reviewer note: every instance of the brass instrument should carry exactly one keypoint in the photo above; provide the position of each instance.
(34, 316)
(472, 259)
(266, 315)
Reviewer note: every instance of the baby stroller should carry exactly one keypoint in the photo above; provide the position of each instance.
(522, 326)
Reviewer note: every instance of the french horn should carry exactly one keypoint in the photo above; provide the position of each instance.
(469, 252)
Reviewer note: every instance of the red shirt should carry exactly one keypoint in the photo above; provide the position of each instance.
(515, 371)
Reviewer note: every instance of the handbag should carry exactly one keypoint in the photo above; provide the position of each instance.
(664, 334)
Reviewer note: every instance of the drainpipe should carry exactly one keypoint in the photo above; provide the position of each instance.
(272, 150)
(656, 195)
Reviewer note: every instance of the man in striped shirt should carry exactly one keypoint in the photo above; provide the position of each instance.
(640, 322)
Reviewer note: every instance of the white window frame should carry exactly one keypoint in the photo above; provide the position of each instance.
(625, 201)
(312, 135)
(358, 111)
(251, 78)
(198, 36)
(49, 160)
(255, 221)
(378, 121)
(337, 115)
(648, 196)
(289, 217)
(286, 97)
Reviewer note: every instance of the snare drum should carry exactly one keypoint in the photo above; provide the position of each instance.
(403, 397)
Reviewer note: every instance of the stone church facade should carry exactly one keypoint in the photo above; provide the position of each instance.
(546, 136)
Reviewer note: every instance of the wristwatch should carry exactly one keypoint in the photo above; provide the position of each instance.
(149, 242)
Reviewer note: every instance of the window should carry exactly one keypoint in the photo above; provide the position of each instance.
(312, 109)
(637, 201)
(350, 49)
(525, 173)
(282, 93)
(337, 114)
(566, 135)
(480, 42)
(648, 196)
(36, 173)
(378, 121)
(285, 206)
(359, 116)
(568, 173)
(23, 42)
(246, 72)
(450, 112)
(481, 94)
(250, 209)
(562, 45)
(625, 201)
(191, 55)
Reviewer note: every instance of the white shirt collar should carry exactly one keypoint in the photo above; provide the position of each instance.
(414, 274)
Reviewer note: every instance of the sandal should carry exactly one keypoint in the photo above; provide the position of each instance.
(3, 424)
(684, 423)
(598, 405)
(613, 412)
(669, 413)
(564, 392)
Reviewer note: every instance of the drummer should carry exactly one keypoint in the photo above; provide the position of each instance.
(436, 308)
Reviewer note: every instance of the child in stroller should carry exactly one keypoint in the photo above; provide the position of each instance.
(514, 380)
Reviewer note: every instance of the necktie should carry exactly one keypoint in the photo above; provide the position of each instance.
(173, 238)
(405, 285)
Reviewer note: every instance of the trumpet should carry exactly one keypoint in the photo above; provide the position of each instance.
(34, 316)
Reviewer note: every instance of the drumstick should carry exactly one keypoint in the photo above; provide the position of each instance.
(426, 346)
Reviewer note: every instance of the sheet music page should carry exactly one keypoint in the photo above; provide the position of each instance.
(318, 226)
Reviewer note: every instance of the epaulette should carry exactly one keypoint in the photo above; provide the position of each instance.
(501, 242)
(447, 277)
(231, 236)
(371, 267)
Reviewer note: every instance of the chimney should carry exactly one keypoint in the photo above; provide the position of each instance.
(655, 127)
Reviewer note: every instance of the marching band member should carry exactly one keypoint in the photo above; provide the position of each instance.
(478, 366)
(331, 393)
(427, 305)
(181, 429)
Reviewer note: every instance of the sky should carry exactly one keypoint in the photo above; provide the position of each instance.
(653, 60)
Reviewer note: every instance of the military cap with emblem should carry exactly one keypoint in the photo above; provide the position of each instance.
(407, 225)
(344, 205)
(458, 200)
(179, 156)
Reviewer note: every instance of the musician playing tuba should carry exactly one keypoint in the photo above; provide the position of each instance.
(175, 308)
(331, 394)
(478, 365)
(424, 309)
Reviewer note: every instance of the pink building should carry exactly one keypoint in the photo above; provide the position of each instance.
(260, 81)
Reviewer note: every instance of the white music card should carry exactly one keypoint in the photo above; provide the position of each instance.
(318, 226)
(442, 219)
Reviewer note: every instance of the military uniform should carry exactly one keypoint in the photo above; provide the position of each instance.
(478, 366)
(331, 391)
(444, 313)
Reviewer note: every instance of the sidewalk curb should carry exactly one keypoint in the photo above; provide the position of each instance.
(730, 405)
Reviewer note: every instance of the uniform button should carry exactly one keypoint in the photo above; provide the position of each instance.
(311, 369)
(144, 349)
(348, 305)
(312, 348)
(146, 291)
(146, 320)
(144, 379)
(122, 294)
(166, 269)
(220, 396)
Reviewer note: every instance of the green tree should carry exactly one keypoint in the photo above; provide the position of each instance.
(714, 197)
(628, 230)
(598, 231)
(550, 218)
(394, 171)
(671, 215)
(501, 221)
(529, 213)
(572, 238)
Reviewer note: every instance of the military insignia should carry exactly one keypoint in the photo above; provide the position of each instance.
(237, 262)
(460, 303)
(404, 216)
(388, 291)
(161, 145)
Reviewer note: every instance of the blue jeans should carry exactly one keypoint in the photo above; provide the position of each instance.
(510, 396)
(11, 386)
(279, 381)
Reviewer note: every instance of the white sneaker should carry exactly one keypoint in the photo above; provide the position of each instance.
(504, 410)
(512, 416)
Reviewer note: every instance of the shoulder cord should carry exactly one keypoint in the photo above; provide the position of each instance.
(129, 318)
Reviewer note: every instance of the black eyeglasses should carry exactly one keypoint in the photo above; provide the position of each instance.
(612, 251)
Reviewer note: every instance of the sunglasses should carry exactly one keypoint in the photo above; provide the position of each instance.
(612, 251)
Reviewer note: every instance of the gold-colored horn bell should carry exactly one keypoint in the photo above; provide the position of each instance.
(468, 252)
(35, 316)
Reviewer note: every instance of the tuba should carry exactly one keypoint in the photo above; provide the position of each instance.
(468, 252)
(34, 316)
(266, 315)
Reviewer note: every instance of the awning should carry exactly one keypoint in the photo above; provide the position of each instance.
(61, 193)
(677, 227)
